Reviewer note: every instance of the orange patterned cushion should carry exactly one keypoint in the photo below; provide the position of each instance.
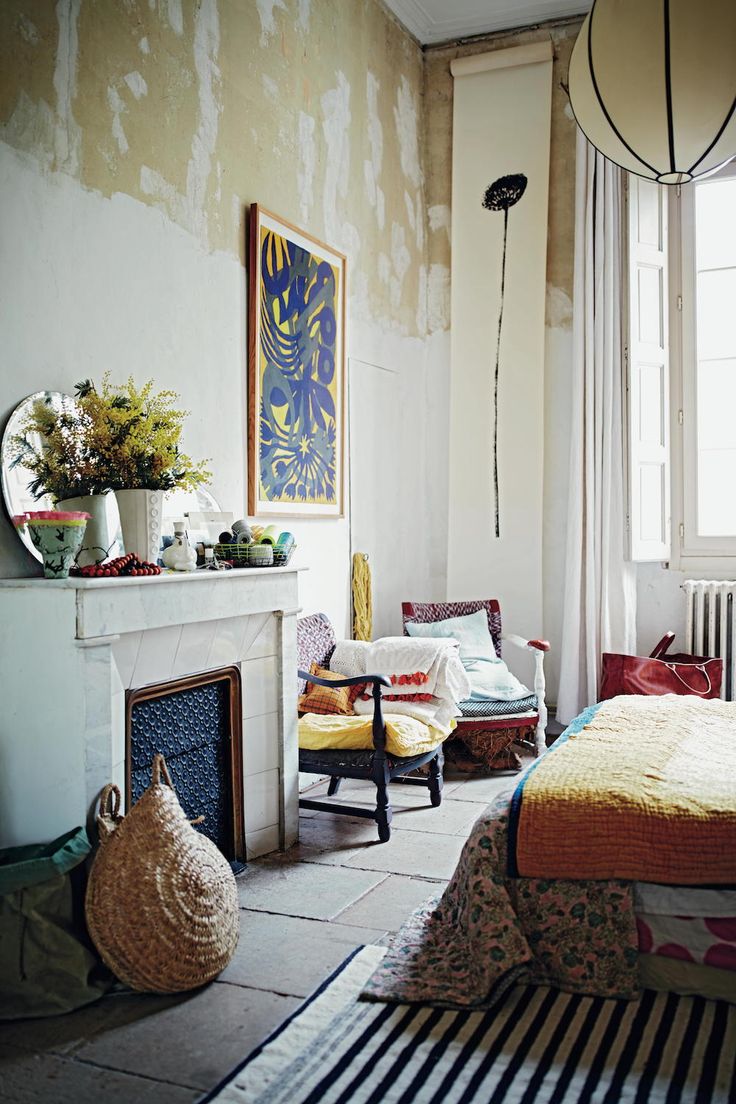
(325, 699)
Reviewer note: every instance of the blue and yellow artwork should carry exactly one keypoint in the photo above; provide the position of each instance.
(298, 373)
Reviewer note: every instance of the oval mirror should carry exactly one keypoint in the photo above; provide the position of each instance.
(22, 490)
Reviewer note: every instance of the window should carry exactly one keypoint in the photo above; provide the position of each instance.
(682, 354)
(706, 491)
(648, 372)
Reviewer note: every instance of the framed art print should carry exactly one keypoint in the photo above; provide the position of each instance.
(296, 372)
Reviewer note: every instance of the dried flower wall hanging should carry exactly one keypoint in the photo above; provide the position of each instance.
(500, 196)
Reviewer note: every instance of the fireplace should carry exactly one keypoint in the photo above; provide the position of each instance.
(195, 723)
(65, 703)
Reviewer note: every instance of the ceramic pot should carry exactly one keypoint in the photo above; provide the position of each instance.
(180, 556)
(140, 521)
(98, 540)
(58, 539)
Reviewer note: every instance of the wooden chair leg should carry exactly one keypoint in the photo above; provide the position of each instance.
(384, 812)
(334, 785)
(435, 781)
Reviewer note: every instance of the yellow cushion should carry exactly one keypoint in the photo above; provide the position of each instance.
(404, 735)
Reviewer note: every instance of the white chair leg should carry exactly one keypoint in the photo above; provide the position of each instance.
(539, 689)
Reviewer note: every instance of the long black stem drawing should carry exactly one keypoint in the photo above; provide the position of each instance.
(499, 196)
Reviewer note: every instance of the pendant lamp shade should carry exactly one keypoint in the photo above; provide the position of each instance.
(653, 85)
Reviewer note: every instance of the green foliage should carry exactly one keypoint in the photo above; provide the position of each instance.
(114, 438)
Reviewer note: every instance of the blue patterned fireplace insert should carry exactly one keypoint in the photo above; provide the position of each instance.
(195, 723)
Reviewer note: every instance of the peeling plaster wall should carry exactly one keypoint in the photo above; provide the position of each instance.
(558, 322)
(133, 136)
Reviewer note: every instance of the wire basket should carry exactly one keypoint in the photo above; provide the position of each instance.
(239, 555)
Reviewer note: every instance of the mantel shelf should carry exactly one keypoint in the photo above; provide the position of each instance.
(77, 583)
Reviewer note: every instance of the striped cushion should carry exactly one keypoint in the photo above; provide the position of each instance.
(488, 707)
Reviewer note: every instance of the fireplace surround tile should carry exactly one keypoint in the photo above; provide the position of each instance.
(226, 646)
(264, 638)
(261, 801)
(262, 842)
(260, 694)
(261, 743)
(193, 648)
(125, 652)
(156, 654)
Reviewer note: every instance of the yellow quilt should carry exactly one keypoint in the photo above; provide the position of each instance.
(404, 735)
(645, 791)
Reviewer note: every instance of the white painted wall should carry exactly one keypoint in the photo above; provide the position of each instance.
(501, 125)
(91, 284)
(398, 431)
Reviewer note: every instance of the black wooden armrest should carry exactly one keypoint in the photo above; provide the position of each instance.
(356, 680)
(379, 731)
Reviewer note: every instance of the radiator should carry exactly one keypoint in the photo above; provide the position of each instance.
(710, 628)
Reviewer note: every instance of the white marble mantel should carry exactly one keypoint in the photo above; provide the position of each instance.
(69, 649)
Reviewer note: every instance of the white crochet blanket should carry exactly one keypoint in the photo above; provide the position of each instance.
(396, 656)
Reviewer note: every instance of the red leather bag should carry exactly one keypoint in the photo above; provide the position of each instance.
(660, 673)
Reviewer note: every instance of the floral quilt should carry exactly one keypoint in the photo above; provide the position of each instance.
(489, 931)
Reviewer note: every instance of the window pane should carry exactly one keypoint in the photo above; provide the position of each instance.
(717, 404)
(715, 204)
(716, 448)
(717, 313)
(716, 498)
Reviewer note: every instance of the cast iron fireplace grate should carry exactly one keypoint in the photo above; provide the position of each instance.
(194, 723)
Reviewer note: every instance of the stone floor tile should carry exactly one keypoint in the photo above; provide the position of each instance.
(427, 853)
(302, 889)
(357, 792)
(332, 838)
(390, 903)
(27, 1078)
(484, 789)
(195, 1042)
(66, 1034)
(287, 954)
(449, 819)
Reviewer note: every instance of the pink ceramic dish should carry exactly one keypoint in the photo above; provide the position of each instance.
(52, 515)
(46, 518)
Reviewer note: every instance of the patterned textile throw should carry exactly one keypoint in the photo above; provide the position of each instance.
(326, 699)
(645, 790)
(489, 931)
(688, 925)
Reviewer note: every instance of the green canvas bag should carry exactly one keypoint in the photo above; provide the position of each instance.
(47, 963)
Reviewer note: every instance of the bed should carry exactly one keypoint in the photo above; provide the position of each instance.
(608, 867)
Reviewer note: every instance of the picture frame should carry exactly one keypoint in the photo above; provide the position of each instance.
(296, 371)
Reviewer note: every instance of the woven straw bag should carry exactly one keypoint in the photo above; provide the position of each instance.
(162, 903)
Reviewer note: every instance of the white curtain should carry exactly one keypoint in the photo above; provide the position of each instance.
(600, 586)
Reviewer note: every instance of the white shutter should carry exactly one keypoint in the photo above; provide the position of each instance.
(648, 372)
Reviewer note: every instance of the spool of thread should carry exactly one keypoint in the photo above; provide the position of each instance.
(242, 531)
(226, 537)
(269, 535)
(285, 543)
(260, 555)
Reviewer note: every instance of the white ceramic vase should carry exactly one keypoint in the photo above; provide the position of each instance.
(180, 556)
(98, 539)
(140, 521)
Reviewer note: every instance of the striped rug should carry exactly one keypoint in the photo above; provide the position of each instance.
(536, 1045)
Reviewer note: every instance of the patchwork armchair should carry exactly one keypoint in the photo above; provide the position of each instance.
(315, 644)
(489, 727)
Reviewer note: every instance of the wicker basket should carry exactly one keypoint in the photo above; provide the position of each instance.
(162, 903)
(239, 555)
